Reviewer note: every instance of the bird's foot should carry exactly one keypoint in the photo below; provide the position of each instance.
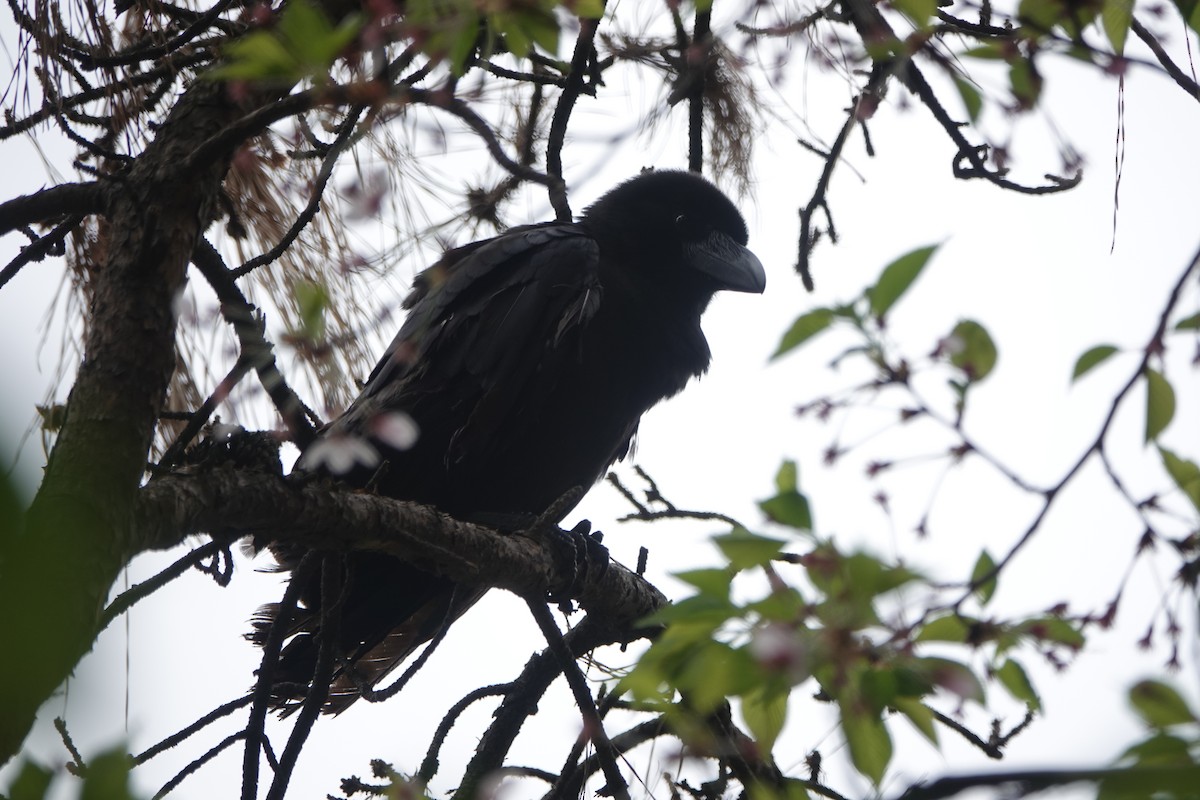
(583, 560)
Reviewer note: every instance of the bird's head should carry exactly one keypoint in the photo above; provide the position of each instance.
(680, 226)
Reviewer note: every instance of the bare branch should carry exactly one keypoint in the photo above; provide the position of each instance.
(50, 244)
(254, 732)
(240, 501)
(429, 765)
(57, 201)
(1177, 74)
(593, 726)
(335, 151)
(259, 353)
(209, 718)
(585, 52)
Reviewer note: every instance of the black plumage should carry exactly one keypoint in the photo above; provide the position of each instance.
(523, 367)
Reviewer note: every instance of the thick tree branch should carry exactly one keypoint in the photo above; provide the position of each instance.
(61, 567)
(230, 502)
(57, 201)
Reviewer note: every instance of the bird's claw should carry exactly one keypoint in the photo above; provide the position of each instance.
(583, 559)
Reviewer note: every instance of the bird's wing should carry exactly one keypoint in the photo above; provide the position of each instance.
(467, 309)
(489, 328)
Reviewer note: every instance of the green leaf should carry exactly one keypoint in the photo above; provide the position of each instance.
(1039, 13)
(1161, 748)
(302, 44)
(713, 582)
(788, 507)
(31, 783)
(984, 565)
(1054, 629)
(1013, 678)
(781, 605)
(896, 278)
(987, 52)
(715, 672)
(870, 577)
(1025, 82)
(1159, 705)
(878, 687)
(919, 11)
(1191, 323)
(1190, 11)
(745, 549)
(765, 712)
(1117, 16)
(704, 612)
(107, 777)
(789, 789)
(1141, 782)
(956, 678)
(868, 740)
(1185, 473)
(971, 98)
(975, 353)
(1160, 404)
(920, 715)
(257, 56)
(950, 628)
(805, 327)
(787, 477)
(311, 301)
(587, 9)
(1092, 359)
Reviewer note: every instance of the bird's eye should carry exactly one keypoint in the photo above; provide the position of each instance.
(681, 219)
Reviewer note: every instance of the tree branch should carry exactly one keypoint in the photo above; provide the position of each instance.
(593, 725)
(585, 51)
(1178, 75)
(236, 501)
(57, 201)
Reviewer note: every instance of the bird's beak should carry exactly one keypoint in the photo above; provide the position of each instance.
(734, 267)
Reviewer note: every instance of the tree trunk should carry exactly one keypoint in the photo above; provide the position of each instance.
(55, 576)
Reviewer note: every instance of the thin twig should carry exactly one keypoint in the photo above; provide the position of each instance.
(249, 328)
(254, 732)
(336, 149)
(702, 50)
(594, 727)
(50, 244)
(201, 416)
(139, 52)
(209, 718)
(332, 586)
(429, 765)
(1177, 74)
(139, 591)
(192, 766)
(585, 51)
(1152, 347)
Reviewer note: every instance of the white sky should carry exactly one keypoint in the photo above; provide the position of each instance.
(1035, 270)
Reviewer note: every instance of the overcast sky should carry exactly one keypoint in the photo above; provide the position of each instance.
(1037, 271)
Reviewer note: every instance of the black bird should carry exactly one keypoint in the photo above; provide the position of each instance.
(520, 373)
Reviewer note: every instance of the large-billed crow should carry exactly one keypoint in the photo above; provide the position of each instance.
(520, 373)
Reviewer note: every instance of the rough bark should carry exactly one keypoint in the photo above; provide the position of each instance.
(232, 502)
(60, 569)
